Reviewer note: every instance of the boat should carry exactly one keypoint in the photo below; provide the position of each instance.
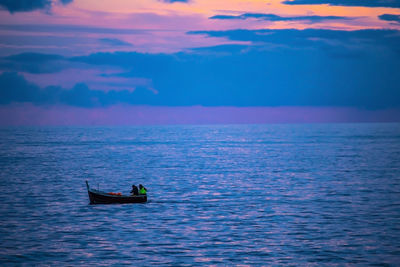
(100, 197)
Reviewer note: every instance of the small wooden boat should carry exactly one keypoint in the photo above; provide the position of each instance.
(100, 197)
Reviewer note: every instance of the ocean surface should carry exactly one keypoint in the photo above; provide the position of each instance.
(318, 194)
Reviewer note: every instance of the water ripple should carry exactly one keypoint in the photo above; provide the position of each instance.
(218, 195)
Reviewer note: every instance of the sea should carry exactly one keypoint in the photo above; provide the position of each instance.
(219, 195)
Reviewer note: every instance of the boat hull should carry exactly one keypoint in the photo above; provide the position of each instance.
(97, 197)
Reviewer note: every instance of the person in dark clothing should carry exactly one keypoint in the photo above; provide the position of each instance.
(142, 190)
(135, 190)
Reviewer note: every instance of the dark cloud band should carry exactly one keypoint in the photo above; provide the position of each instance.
(273, 17)
(28, 5)
(390, 17)
(365, 3)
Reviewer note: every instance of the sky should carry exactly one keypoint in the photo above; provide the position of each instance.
(123, 62)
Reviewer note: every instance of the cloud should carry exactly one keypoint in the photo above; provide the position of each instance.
(73, 40)
(311, 67)
(281, 67)
(15, 89)
(33, 57)
(390, 17)
(28, 5)
(114, 42)
(24, 5)
(364, 3)
(314, 38)
(34, 63)
(141, 62)
(45, 28)
(273, 17)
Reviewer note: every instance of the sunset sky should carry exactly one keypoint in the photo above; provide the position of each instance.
(93, 62)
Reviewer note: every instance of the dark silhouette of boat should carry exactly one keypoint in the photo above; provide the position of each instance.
(100, 197)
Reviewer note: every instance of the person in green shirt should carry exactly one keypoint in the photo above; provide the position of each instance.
(142, 190)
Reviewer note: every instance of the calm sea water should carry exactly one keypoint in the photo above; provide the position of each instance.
(223, 195)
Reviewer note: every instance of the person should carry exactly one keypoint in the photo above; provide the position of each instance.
(135, 190)
(142, 190)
